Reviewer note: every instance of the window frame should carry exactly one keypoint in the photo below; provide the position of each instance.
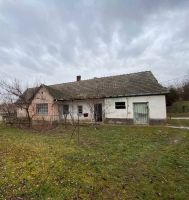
(78, 111)
(63, 109)
(120, 105)
(42, 108)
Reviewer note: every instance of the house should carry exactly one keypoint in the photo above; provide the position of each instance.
(135, 98)
(7, 110)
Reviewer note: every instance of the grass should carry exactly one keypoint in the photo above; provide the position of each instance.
(186, 114)
(179, 109)
(178, 122)
(114, 162)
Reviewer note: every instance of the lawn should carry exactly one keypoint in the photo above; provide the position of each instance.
(178, 122)
(113, 162)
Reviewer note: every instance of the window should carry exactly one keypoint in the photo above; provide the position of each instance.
(65, 109)
(120, 105)
(80, 109)
(42, 108)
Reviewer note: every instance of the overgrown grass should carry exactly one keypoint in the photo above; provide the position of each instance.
(114, 162)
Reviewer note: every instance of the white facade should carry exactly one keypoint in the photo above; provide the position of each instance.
(156, 105)
(87, 107)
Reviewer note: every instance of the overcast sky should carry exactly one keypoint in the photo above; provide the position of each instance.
(52, 41)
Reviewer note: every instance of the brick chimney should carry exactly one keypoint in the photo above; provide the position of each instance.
(78, 78)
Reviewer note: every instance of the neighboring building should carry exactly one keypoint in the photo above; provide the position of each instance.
(7, 110)
(131, 98)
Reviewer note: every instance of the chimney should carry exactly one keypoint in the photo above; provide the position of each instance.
(78, 78)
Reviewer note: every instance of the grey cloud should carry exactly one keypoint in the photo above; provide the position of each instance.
(57, 39)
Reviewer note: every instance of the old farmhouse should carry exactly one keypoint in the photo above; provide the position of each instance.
(135, 98)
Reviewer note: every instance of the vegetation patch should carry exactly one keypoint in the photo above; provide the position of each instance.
(112, 162)
(178, 122)
(179, 109)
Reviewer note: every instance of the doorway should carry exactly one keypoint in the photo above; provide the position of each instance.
(141, 114)
(98, 112)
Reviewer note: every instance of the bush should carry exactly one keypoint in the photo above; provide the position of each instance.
(172, 96)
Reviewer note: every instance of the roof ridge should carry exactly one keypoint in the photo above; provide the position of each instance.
(102, 77)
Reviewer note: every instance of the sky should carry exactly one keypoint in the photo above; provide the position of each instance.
(53, 41)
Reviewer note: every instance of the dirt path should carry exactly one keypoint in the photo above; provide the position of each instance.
(179, 127)
(180, 118)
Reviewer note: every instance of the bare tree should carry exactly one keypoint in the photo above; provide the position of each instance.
(20, 97)
(93, 112)
(76, 126)
(7, 108)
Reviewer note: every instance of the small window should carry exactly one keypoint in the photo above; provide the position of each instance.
(42, 108)
(120, 105)
(80, 109)
(65, 109)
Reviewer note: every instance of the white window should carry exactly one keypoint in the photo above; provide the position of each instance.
(65, 109)
(80, 109)
(120, 105)
(42, 108)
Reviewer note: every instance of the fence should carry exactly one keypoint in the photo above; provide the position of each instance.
(44, 122)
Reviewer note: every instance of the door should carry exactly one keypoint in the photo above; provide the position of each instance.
(98, 112)
(141, 114)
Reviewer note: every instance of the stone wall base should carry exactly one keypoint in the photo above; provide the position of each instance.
(131, 121)
(106, 120)
(157, 121)
(118, 121)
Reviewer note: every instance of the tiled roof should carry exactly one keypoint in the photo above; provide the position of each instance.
(135, 84)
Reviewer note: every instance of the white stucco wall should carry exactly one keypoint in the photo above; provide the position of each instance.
(88, 107)
(111, 112)
(157, 107)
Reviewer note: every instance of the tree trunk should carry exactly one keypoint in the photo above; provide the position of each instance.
(28, 117)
